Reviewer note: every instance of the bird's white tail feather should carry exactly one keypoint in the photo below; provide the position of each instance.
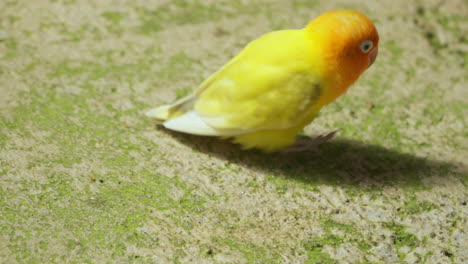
(192, 123)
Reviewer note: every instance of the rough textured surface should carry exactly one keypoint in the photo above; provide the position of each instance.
(86, 178)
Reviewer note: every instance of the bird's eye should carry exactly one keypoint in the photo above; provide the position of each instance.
(366, 46)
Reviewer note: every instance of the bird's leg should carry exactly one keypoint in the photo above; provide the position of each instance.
(306, 143)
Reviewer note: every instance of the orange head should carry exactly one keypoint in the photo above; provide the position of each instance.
(349, 42)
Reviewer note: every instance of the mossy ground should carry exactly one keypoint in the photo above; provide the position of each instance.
(85, 177)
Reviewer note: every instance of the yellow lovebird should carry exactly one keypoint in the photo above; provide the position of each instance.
(278, 83)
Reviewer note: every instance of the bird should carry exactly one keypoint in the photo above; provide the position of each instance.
(264, 96)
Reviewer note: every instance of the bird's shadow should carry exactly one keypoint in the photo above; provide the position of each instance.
(336, 162)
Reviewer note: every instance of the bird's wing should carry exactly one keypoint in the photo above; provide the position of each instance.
(269, 85)
(250, 98)
(257, 97)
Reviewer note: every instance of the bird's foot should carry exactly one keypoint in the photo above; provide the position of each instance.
(306, 143)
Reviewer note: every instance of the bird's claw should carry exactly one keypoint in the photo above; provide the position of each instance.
(305, 144)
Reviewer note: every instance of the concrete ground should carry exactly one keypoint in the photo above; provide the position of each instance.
(85, 177)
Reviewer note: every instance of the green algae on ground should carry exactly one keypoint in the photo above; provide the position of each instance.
(251, 253)
(183, 12)
(401, 238)
(351, 235)
(414, 206)
(315, 254)
(113, 16)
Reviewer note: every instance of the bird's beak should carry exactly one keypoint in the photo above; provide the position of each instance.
(373, 56)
